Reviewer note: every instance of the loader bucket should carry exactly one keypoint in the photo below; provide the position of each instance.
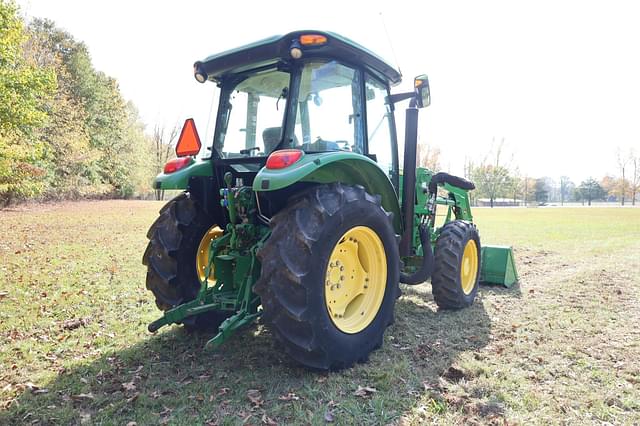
(498, 266)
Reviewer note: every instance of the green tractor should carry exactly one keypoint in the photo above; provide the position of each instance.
(294, 214)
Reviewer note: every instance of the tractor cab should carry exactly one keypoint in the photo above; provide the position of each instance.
(308, 90)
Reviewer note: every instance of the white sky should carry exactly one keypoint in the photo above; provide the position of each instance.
(559, 80)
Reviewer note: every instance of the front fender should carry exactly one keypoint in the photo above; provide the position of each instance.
(328, 167)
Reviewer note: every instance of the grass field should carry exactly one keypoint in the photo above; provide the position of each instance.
(562, 347)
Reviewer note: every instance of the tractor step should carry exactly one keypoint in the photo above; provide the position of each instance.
(498, 266)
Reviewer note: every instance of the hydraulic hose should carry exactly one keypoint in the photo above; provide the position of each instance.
(426, 268)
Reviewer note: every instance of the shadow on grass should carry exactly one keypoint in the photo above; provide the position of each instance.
(515, 291)
(168, 377)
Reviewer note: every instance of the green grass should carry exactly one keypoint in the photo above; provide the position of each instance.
(561, 347)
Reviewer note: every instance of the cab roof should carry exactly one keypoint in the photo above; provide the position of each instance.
(277, 48)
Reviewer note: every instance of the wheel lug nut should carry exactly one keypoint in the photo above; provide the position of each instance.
(342, 268)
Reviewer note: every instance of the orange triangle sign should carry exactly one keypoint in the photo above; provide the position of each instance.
(189, 142)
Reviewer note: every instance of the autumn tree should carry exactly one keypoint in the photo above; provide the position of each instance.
(24, 88)
(491, 177)
(590, 190)
(541, 191)
(95, 140)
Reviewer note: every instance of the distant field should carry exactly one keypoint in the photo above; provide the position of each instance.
(561, 347)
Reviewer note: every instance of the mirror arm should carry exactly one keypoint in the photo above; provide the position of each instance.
(401, 97)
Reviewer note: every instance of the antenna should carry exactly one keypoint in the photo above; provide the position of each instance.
(393, 51)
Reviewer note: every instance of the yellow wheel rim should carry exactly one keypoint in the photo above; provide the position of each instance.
(469, 267)
(202, 257)
(355, 280)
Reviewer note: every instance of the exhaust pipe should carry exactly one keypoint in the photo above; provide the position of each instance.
(409, 177)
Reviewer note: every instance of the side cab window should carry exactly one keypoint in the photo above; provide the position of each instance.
(378, 124)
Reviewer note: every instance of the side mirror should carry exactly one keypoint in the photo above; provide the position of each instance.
(423, 95)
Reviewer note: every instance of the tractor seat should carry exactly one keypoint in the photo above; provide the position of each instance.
(452, 180)
(271, 138)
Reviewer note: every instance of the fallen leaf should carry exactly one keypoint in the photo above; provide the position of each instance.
(268, 420)
(289, 397)
(329, 417)
(165, 415)
(129, 386)
(133, 397)
(365, 391)
(427, 386)
(137, 370)
(82, 396)
(72, 324)
(454, 374)
(3, 294)
(255, 397)
(132, 424)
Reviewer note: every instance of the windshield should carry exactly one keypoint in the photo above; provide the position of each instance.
(253, 116)
(328, 113)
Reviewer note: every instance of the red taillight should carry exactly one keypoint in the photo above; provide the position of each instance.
(283, 158)
(177, 164)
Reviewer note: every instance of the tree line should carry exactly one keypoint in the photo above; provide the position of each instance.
(67, 132)
(65, 129)
(499, 181)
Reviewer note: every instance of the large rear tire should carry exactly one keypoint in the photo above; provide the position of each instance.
(330, 273)
(171, 258)
(456, 271)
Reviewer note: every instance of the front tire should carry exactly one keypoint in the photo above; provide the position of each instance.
(456, 273)
(330, 273)
(171, 258)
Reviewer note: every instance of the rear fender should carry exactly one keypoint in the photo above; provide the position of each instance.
(328, 167)
(180, 178)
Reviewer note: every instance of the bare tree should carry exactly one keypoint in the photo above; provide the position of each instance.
(428, 156)
(163, 145)
(635, 181)
(566, 188)
(468, 174)
(622, 164)
(515, 184)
